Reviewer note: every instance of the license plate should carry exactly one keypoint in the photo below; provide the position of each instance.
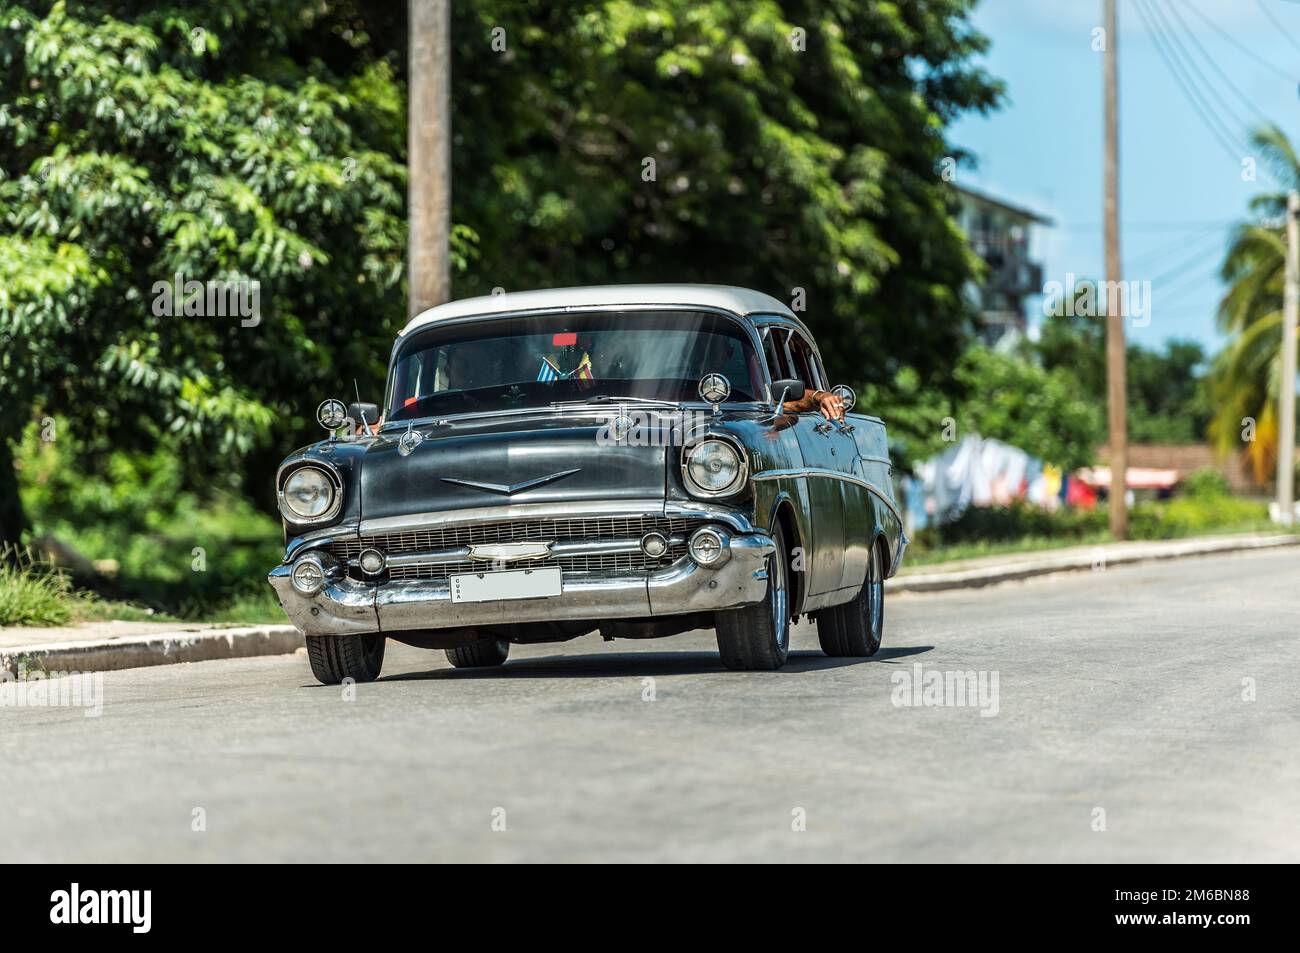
(510, 584)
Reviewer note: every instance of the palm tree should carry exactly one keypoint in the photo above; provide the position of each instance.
(1246, 374)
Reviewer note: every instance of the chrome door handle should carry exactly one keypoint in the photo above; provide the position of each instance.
(823, 428)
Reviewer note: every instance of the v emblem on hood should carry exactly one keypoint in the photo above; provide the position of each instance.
(507, 489)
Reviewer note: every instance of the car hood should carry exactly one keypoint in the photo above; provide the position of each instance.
(492, 462)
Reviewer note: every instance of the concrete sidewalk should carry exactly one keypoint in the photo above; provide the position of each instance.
(105, 646)
(990, 570)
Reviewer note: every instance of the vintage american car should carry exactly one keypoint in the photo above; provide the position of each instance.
(637, 460)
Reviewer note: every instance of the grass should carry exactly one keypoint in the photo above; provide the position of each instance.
(32, 595)
(976, 550)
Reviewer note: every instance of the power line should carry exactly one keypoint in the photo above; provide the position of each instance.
(1280, 28)
(1159, 256)
(1193, 71)
(1227, 80)
(1193, 97)
(1254, 56)
(1196, 258)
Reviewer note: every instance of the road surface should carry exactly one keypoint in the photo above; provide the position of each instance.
(1142, 713)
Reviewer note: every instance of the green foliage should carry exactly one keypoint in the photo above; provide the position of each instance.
(1022, 526)
(1007, 397)
(1019, 520)
(774, 167)
(1041, 412)
(1246, 377)
(33, 595)
(133, 513)
(1194, 515)
(1206, 483)
(246, 141)
(1168, 398)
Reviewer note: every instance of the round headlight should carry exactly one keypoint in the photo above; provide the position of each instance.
(308, 493)
(713, 468)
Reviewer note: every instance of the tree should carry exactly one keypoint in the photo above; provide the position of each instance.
(1007, 397)
(1246, 377)
(1167, 392)
(777, 145)
(247, 142)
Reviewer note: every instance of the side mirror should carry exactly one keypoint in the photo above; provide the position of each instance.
(846, 394)
(792, 389)
(367, 414)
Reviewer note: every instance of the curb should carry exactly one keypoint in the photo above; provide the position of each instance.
(1010, 572)
(162, 648)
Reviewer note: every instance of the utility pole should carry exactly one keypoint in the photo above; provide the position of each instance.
(1286, 414)
(1116, 383)
(429, 155)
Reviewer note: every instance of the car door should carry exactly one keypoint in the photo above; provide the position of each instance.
(824, 553)
(841, 454)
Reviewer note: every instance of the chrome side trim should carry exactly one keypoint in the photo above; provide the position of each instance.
(832, 475)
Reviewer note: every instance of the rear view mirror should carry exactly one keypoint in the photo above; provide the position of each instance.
(792, 389)
(364, 414)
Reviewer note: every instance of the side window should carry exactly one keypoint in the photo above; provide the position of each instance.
(774, 351)
(805, 362)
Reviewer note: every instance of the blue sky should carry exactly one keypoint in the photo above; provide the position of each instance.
(1180, 187)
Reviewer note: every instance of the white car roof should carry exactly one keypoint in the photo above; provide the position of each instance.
(741, 301)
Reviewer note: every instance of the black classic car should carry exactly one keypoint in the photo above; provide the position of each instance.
(636, 460)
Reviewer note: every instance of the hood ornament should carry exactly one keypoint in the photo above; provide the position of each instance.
(507, 489)
(407, 443)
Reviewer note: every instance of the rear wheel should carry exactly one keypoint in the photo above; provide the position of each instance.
(481, 654)
(336, 657)
(757, 637)
(854, 630)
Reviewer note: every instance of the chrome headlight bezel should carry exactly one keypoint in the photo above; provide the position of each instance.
(332, 479)
(736, 485)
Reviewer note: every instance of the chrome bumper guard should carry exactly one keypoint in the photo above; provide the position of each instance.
(347, 606)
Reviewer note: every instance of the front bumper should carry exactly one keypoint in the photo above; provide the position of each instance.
(346, 606)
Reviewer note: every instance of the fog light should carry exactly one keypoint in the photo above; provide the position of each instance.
(654, 545)
(308, 576)
(372, 562)
(709, 547)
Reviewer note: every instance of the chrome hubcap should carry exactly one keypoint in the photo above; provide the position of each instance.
(875, 593)
(779, 600)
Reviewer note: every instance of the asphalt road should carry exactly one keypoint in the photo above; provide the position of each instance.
(1120, 691)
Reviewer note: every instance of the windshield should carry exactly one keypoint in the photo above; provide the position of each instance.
(536, 360)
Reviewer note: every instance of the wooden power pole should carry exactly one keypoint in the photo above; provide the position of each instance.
(1116, 383)
(1286, 397)
(429, 155)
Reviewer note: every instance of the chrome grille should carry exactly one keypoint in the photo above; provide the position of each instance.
(579, 529)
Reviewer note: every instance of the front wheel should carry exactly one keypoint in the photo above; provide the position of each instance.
(336, 657)
(757, 637)
(854, 630)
